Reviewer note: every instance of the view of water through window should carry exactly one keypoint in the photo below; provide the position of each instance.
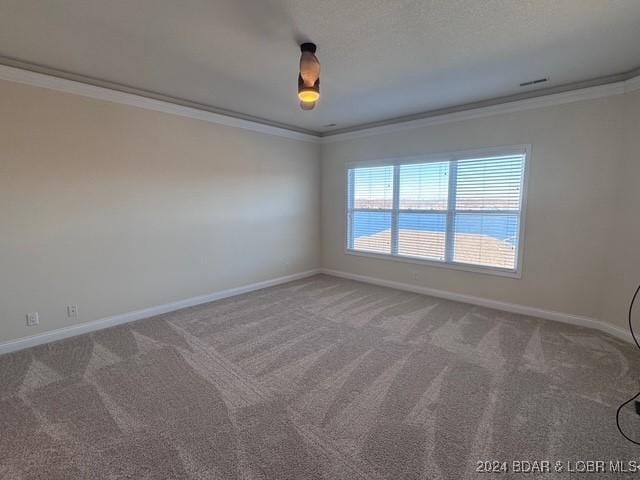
(479, 208)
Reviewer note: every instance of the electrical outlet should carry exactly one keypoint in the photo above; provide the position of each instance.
(33, 319)
(72, 311)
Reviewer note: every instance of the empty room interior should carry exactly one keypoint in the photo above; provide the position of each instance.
(319, 240)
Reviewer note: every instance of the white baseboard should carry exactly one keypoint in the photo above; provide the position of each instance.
(485, 302)
(87, 327)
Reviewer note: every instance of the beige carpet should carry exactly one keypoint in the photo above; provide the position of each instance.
(317, 379)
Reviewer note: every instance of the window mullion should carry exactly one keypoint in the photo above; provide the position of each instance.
(451, 211)
(350, 205)
(395, 209)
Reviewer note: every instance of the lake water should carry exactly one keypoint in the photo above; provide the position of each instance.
(501, 227)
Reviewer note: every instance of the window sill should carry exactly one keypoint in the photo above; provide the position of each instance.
(501, 272)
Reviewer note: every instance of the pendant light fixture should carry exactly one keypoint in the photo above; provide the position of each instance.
(309, 77)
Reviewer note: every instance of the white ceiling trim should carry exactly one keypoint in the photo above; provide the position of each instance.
(589, 93)
(51, 82)
(632, 84)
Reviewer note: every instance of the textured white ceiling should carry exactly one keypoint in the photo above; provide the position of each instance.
(380, 58)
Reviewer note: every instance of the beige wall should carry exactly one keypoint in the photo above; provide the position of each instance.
(116, 208)
(624, 269)
(573, 180)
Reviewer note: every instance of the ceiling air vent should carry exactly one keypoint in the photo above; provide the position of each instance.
(533, 82)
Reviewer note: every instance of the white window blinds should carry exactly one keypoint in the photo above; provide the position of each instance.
(371, 206)
(461, 211)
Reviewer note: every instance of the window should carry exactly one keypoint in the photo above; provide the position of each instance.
(461, 210)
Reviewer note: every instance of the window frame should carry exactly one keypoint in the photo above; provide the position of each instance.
(448, 263)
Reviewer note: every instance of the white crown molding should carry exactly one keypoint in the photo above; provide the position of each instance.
(589, 93)
(632, 84)
(88, 327)
(27, 77)
(488, 303)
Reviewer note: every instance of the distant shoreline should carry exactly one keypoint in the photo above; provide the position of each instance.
(499, 226)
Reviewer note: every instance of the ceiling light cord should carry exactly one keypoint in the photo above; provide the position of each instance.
(637, 394)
